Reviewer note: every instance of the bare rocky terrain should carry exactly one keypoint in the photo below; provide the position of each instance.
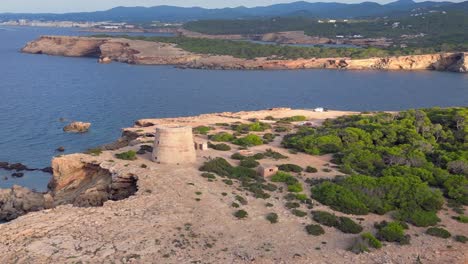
(173, 215)
(155, 53)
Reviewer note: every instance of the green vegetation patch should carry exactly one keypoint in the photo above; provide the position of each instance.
(438, 232)
(220, 146)
(248, 141)
(315, 230)
(129, 155)
(241, 214)
(202, 130)
(392, 232)
(272, 217)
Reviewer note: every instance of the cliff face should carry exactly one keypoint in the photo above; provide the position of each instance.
(154, 53)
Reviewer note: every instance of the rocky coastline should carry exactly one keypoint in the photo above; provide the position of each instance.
(154, 53)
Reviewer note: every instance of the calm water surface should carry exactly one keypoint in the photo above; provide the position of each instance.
(37, 90)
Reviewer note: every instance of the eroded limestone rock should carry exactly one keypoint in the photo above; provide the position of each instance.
(77, 127)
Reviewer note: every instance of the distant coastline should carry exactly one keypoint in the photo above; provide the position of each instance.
(157, 53)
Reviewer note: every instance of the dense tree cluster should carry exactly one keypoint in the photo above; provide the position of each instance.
(395, 161)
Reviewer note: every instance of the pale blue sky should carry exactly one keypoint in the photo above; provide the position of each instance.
(59, 6)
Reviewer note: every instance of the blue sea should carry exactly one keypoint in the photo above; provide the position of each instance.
(36, 91)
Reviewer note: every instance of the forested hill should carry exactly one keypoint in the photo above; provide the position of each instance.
(183, 14)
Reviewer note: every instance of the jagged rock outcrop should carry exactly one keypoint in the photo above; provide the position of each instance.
(77, 127)
(18, 201)
(86, 184)
(75, 182)
(155, 53)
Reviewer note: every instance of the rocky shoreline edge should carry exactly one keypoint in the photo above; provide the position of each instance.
(107, 50)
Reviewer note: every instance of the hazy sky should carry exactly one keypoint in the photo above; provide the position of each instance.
(60, 6)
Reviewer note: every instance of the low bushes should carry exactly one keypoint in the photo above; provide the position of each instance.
(344, 224)
(272, 217)
(222, 137)
(461, 218)
(240, 214)
(203, 130)
(364, 242)
(129, 155)
(438, 232)
(371, 240)
(297, 118)
(290, 168)
(220, 147)
(269, 137)
(274, 155)
(249, 163)
(315, 230)
(348, 226)
(392, 232)
(248, 141)
(94, 151)
(310, 169)
(461, 239)
(298, 213)
(293, 184)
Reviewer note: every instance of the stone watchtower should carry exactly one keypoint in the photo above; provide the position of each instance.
(174, 145)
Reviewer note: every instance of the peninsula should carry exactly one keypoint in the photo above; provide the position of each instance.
(278, 185)
(195, 53)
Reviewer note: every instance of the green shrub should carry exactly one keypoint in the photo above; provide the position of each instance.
(438, 232)
(240, 214)
(295, 187)
(235, 205)
(256, 126)
(249, 163)
(297, 118)
(228, 182)
(237, 156)
(291, 205)
(94, 151)
(274, 155)
(269, 118)
(461, 239)
(281, 176)
(129, 155)
(301, 197)
(346, 225)
(203, 130)
(269, 137)
(310, 169)
(461, 218)
(290, 168)
(325, 218)
(222, 137)
(272, 217)
(220, 147)
(371, 240)
(298, 213)
(208, 175)
(217, 165)
(241, 200)
(248, 141)
(258, 156)
(315, 230)
(280, 129)
(359, 246)
(419, 217)
(391, 232)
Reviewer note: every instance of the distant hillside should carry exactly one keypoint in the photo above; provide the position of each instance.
(181, 14)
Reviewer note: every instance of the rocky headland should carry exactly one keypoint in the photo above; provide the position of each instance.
(155, 53)
(102, 209)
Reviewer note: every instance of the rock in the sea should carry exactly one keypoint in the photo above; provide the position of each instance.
(18, 201)
(105, 60)
(17, 174)
(77, 127)
(60, 149)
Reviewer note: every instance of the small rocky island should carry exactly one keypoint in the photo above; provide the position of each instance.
(270, 186)
(146, 52)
